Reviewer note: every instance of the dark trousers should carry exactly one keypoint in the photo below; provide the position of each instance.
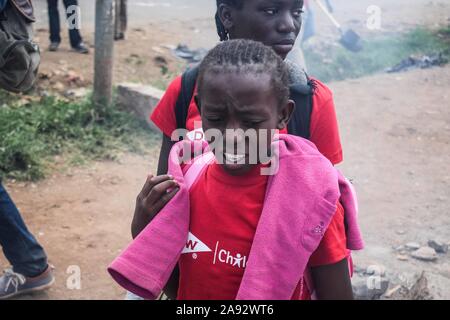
(55, 29)
(19, 246)
(120, 21)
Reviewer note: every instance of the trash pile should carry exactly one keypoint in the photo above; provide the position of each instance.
(422, 62)
(192, 56)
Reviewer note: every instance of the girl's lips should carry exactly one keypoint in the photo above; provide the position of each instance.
(283, 49)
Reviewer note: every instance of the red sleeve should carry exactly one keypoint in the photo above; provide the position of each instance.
(163, 116)
(324, 125)
(333, 247)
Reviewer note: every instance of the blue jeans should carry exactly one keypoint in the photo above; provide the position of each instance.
(53, 17)
(19, 246)
(2, 5)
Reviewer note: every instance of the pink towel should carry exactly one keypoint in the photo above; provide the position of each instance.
(299, 204)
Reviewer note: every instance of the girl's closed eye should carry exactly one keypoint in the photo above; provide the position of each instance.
(249, 123)
(213, 118)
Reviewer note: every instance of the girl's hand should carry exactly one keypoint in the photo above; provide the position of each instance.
(155, 194)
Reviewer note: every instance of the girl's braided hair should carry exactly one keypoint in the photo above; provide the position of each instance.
(221, 31)
(246, 56)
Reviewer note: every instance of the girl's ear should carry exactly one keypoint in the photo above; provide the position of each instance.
(225, 15)
(197, 102)
(285, 113)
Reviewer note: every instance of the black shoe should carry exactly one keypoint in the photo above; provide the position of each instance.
(120, 36)
(53, 46)
(81, 48)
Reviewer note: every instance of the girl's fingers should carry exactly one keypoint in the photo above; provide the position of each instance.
(158, 191)
(165, 199)
(152, 181)
(147, 186)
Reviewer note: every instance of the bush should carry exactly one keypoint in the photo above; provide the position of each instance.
(32, 133)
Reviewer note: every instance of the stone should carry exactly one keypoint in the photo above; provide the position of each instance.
(58, 86)
(438, 246)
(369, 288)
(420, 291)
(411, 246)
(393, 291)
(359, 269)
(425, 254)
(402, 257)
(376, 270)
(139, 99)
(77, 93)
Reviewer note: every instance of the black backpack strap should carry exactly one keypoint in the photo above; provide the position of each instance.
(188, 81)
(299, 124)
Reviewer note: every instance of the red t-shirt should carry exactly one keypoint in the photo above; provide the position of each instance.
(324, 131)
(222, 227)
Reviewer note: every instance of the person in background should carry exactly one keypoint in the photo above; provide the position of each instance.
(19, 62)
(120, 22)
(74, 34)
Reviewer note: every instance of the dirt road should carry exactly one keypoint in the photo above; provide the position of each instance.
(396, 136)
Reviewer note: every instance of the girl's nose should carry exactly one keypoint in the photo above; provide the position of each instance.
(286, 23)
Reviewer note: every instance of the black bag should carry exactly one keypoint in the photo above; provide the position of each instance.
(19, 55)
(301, 94)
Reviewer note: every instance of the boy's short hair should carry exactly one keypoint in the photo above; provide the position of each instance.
(247, 56)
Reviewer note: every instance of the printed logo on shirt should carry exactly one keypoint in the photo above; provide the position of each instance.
(225, 256)
(193, 244)
(221, 255)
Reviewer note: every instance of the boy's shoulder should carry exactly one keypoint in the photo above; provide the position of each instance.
(321, 91)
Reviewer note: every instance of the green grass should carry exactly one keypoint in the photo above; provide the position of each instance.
(377, 55)
(32, 134)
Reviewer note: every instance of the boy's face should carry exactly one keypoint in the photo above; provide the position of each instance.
(231, 101)
(276, 23)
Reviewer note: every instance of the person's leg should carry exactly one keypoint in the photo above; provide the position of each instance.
(120, 19)
(74, 32)
(117, 21)
(54, 23)
(30, 271)
(123, 16)
(19, 246)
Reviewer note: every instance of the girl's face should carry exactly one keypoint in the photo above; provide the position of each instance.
(276, 23)
(233, 101)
